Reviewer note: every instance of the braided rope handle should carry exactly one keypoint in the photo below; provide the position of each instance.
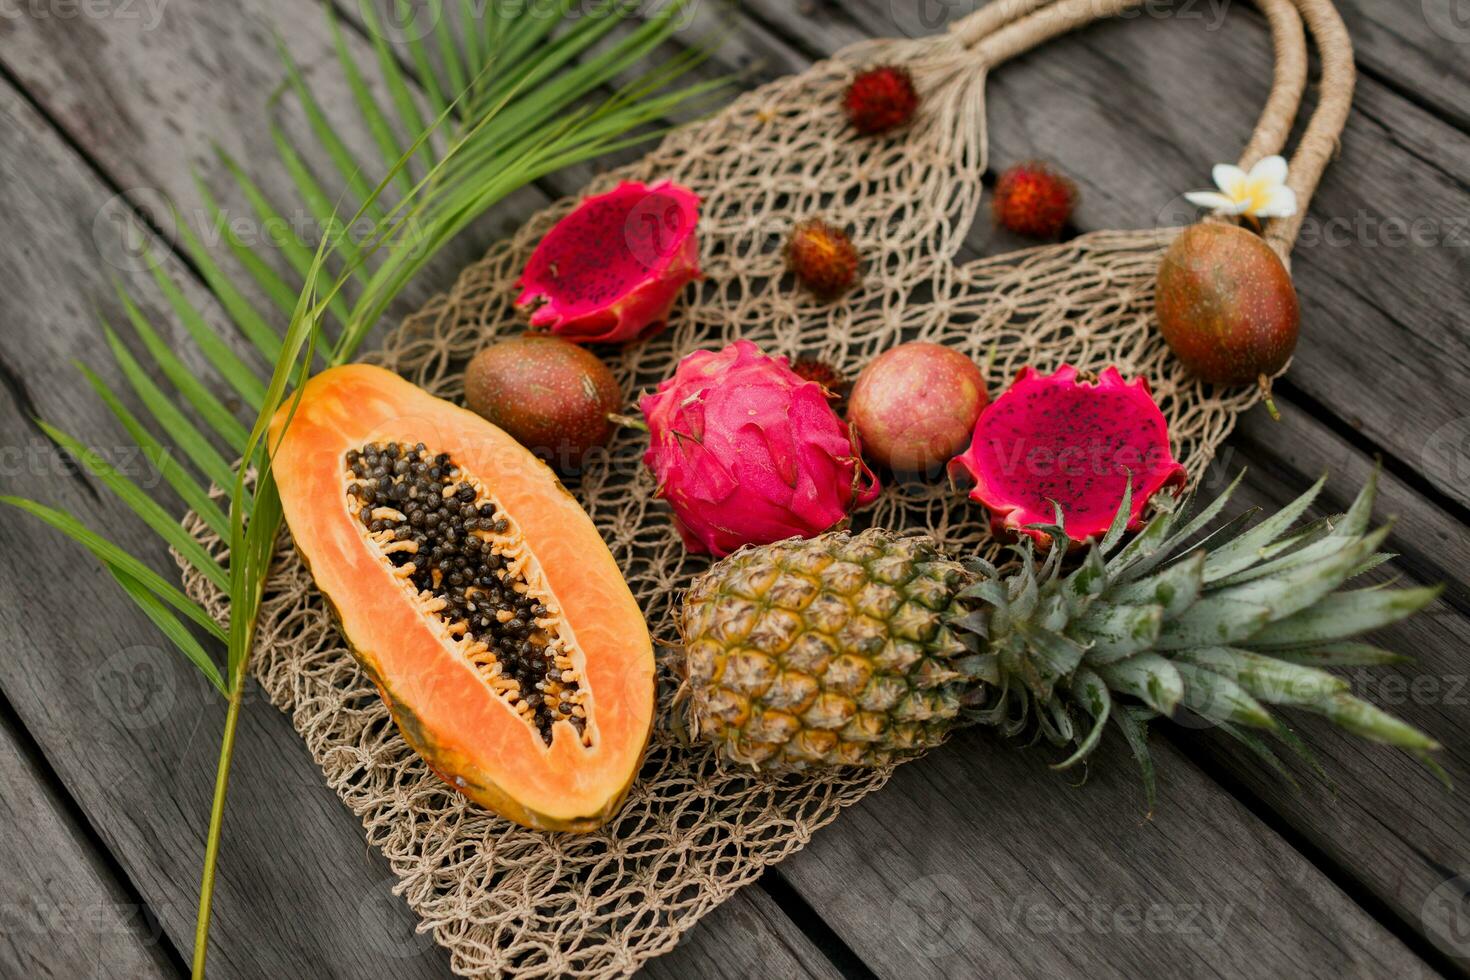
(1004, 29)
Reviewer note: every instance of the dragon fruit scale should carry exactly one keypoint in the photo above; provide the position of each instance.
(610, 271)
(748, 452)
(1058, 438)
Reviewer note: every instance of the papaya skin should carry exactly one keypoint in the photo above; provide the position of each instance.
(1226, 305)
(441, 703)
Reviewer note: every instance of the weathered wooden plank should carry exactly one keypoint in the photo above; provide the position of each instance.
(384, 931)
(129, 728)
(150, 101)
(978, 861)
(748, 936)
(62, 910)
(1419, 48)
(1386, 821)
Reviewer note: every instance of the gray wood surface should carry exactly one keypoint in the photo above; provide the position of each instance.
(63, 911)
(978, 860)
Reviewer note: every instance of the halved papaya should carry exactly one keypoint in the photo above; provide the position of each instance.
(476, 593)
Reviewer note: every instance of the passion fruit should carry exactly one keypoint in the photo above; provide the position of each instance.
(550, 395)
(915, 406)
(1226, 305)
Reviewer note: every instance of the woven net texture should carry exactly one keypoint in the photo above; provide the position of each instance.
(507, 901)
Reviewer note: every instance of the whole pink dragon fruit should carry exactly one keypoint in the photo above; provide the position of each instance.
(610, 271)
(748, 452)
(1056, 438)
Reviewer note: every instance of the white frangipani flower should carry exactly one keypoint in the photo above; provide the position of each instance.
(1262, 193)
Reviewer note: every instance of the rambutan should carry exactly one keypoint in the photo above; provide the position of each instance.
(824, 374)
(1034, 200)
(881, 99)
(822, 257)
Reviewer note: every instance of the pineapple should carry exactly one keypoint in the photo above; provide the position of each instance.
(862, 649)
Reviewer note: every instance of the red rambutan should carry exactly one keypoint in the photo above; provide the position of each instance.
(822, 257)
(881, 99)
(1034, 200)
(824, 374)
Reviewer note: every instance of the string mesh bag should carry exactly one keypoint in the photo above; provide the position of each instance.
(511, 902)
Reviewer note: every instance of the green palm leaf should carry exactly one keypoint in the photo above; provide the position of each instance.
(230, 367)
(116, 559)
(184, 433)
(168, 624)
(163, 523)
(183, 378)
(174, 475)
(526, 105)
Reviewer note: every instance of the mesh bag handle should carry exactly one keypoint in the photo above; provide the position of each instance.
(1004, 29)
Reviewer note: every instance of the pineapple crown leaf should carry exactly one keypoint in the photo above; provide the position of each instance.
(1231, 627)
(1090, 693)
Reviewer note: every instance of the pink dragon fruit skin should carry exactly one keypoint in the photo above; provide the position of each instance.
(610, 271)
(1053, 437)
(748, 452)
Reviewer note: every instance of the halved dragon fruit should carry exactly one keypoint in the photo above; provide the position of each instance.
(610, 271)
(1053, 437)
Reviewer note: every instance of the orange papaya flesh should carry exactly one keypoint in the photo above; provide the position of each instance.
(545, 724)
